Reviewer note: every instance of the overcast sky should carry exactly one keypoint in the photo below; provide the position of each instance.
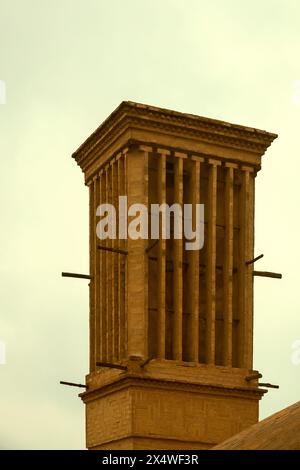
(66, 65)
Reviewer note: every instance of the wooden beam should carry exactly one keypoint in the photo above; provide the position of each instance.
(111, 365)
(72, 384)
(254, 259)
(76, 275)
(152, 245)
(268, 385)
(113, 250)
(267, 274)
(251, 377)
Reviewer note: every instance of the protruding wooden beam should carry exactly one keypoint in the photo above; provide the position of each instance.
(111, 365)
(144, 363)
(72, 384)
(113, 250)
(254, 259)
(267, 385)
(152, 245)
(251, 377)
(267, 274)
(75, 275)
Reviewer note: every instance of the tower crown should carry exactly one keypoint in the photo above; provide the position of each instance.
(173, 327)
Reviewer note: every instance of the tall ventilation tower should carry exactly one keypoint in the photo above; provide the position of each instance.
(171, 330)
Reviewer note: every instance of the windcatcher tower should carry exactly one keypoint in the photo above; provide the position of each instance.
(174, 328)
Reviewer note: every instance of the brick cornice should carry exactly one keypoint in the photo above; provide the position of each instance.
(133, 380)
(130, 115)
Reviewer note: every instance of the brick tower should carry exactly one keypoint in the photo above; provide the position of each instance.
(171, 330)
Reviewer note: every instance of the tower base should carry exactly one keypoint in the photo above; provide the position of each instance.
(168, 405)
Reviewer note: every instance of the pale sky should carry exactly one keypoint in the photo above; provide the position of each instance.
(68, 64)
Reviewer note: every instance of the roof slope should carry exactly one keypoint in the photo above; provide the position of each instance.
(281, 431)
